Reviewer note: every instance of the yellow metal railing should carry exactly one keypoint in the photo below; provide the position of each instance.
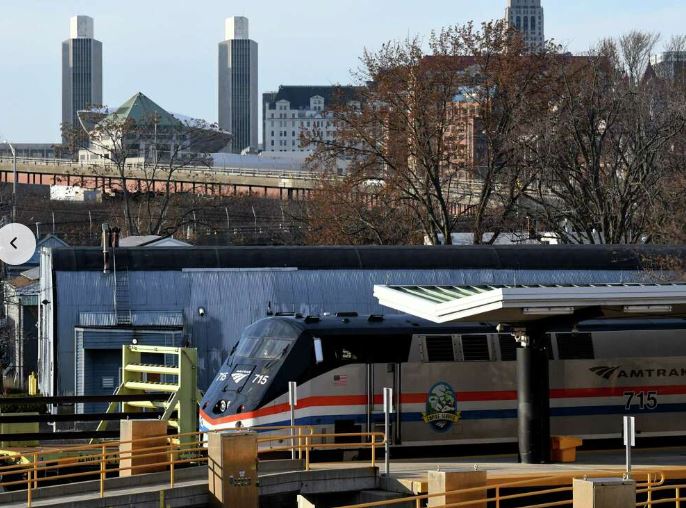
(97, 461)
(653, 481)
(650, 491)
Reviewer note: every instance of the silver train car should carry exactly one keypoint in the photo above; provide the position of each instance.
(452, 384)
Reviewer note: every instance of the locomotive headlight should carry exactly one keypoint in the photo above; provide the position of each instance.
(221, 406)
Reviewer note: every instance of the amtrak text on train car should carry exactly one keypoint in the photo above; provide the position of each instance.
(618, 372)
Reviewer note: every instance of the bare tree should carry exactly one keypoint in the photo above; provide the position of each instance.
(142, 154)
(438, 129)
(635, 49)
(676, 44)
(344, 211)
(604, 150)
(509, 89)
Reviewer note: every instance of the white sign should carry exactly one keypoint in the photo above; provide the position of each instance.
(388, 400)
(292, 394)
(629, 431)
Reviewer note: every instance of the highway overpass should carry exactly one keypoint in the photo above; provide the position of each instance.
(223, 181)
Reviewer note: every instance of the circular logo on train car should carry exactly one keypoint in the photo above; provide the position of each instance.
(441, 407)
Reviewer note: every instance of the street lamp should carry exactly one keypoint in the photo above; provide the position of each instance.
(14, 181)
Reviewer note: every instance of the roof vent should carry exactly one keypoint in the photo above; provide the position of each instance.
(312, 319)
(346, 314)
(375, 318)
(296, 315)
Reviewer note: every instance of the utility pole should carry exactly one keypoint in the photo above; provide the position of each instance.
(14, 181)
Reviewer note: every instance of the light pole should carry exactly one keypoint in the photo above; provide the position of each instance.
(14, 181)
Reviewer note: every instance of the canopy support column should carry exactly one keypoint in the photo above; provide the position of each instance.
(533, 398)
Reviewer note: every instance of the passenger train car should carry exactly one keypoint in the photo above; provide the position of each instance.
(453, 384)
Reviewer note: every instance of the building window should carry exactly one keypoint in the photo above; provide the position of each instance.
(533, 23)
(518, 23)
(526, 23)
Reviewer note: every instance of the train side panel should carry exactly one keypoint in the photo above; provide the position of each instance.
(463, 403)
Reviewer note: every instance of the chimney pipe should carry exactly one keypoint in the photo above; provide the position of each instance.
(115, 237)
(106, 242)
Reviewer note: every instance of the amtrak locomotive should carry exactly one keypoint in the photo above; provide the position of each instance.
(453, 384)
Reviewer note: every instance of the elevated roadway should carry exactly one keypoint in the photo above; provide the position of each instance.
(224, 181)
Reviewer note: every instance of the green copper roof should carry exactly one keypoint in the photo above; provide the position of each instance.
(141, 109)
(519, 303)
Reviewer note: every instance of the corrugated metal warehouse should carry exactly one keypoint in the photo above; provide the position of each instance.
(205, 297)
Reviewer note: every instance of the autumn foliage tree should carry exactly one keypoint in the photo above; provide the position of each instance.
(435, 133)
(352, 212)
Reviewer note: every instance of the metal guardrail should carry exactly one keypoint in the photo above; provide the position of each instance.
(651, 491)
(228, 170)
(654, 481)
(98, 460)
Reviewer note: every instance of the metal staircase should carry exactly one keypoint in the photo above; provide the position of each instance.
(175, 374)
(122, 303)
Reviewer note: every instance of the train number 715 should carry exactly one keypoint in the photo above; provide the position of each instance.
(644, 400)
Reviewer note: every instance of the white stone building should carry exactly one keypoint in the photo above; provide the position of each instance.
(292, 110)
(527, 17)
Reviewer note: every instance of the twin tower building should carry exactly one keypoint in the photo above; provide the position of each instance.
(82, 78)
(237, 77)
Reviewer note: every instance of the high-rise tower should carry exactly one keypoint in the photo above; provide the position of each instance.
(238, 85)
(527, 17)
(81, 70)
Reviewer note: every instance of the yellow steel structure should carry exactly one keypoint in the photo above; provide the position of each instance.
(179, 379)
(33, 384)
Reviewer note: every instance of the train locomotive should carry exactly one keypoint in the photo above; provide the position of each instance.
(452, 384)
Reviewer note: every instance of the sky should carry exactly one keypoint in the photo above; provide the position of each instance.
(167, 49)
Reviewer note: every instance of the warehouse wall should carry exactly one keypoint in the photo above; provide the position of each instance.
(235, 298)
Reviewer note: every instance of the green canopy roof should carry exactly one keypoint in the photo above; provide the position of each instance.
(141, 109)
(513, 304)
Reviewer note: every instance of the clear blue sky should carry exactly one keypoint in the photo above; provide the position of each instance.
(167, 49)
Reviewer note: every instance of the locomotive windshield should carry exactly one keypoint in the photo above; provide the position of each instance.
(266, 340)
(266, 348)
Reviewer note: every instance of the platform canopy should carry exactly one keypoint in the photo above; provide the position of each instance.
(443, 304)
